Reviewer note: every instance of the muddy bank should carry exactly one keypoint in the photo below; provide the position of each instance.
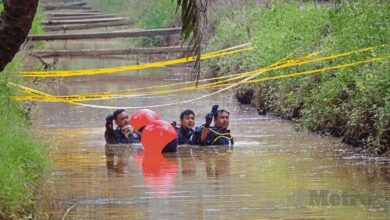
(351, 103)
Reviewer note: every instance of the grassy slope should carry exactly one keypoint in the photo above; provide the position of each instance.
(23, 161)
(353, 102)
(145, 14)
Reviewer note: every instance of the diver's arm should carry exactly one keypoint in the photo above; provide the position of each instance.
(203, 134)
(109, 133)
(205, 128)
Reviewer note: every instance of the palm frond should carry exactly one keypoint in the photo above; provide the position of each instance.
(194, 21)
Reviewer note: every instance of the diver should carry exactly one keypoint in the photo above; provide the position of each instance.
(186, 130)
(217, 135)
(124, 132)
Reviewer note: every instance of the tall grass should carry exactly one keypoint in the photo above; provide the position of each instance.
(352, 103)
(36, 27)
(23, 160)
(146, 14)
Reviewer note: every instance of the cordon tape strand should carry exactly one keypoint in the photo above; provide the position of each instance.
(250, 78)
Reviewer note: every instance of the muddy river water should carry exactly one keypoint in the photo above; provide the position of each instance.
(271, 172)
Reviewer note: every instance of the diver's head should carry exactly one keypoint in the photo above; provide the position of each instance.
(187, 119)
(221, 119)
(121, 118)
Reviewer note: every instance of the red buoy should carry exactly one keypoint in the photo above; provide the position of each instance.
(142, 117)
(156, 136)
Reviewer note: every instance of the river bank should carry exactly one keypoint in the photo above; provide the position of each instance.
(271, 172)
(351, 103)
(24, 161)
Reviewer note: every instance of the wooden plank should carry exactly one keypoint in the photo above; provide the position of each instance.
(53, 8)
(60, 4)
(88, 21)
(109, 52)
(59, 1)
(64, 14)
(86, 17)
(86, 26)
(104, 35)
(64, 6)
(66, 3)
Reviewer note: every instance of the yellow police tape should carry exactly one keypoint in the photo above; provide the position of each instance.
(68, 73)
(122, 93)
(284, 63)
(40, 96)
(51, 97)
(227, 86)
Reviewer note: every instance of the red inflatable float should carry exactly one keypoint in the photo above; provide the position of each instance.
(157, 136)
(142, 117)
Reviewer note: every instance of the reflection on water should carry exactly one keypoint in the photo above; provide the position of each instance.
(216, 159)
(269, 173)
(159, 172)
(264, 176)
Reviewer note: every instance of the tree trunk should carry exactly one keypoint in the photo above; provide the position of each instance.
(15, 23)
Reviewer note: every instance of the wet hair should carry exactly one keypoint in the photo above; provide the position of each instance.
(220, 112)
(186, 112)
(117, 112)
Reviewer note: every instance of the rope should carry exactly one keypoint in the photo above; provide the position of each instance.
(227, 135)
(68, 73)
(250, 79)
(110, 95)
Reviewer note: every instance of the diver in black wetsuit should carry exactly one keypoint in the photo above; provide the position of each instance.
(124, 133)
(186, 130)
(217, 135)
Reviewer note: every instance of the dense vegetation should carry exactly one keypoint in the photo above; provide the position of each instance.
(353, 102)
(23, 161)
(146, 14)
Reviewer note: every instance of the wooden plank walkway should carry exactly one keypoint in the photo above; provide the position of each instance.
(104, 35)
(63, 14)
(108, 52)
(85, 17)
(83, 21)
(82, 17)
(86, 26)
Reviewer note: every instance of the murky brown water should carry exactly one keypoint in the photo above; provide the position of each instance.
(271, 172)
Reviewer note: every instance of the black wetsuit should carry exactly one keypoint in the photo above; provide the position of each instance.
(222, 138)
(117, 137)
(185, 135)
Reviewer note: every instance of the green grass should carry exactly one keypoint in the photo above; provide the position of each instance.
(36, 27)
(146, 14)
(352, 103)
(24, 161)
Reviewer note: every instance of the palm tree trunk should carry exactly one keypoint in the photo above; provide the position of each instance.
(15, 23)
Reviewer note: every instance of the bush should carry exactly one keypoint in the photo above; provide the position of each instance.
(146, 14)
(350, 102)
(23, 161)
(227, 28)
